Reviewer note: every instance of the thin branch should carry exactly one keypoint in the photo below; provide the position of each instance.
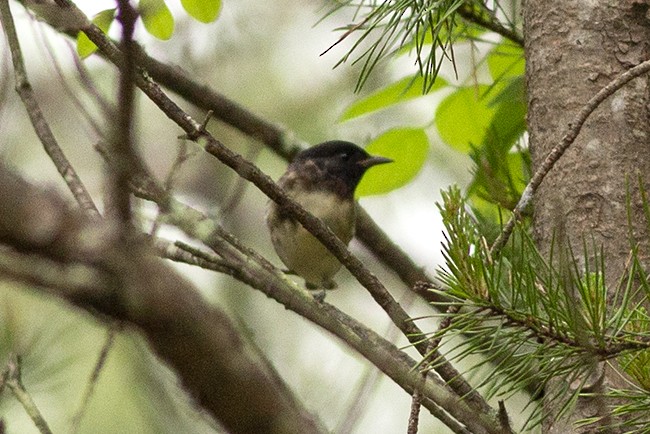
(122, 138)
(12, 379)
(477, 13)
(448, 373)
(41, 127)
(113, 329)
(72, 94)
(184, 253)
(567, 140)
(414, 414)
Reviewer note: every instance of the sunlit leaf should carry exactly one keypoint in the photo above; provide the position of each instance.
(103, 20)
(157, 18)
(205, 11)
(401, 91)
(506, 60)
(464, 117)
(408, 147)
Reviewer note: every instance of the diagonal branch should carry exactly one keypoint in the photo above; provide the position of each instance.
(479, 15)
(41, 127)
(189, 220)
(11, 377)
(284, 144)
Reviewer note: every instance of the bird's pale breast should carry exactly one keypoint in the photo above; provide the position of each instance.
(298, 249)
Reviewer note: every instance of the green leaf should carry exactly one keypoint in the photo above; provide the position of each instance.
(463, 118)
(408, 147)
(401, 91)
(204, 11)
(157, 18)
(103, 20)
(509, 122)
(506, 60)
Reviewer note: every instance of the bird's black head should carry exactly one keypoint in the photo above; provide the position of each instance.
(335, 165)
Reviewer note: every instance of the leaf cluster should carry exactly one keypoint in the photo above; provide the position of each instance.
(486, 122)
(156, 17)
(536, 318)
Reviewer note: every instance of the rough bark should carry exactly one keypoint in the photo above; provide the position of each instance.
(573, 48)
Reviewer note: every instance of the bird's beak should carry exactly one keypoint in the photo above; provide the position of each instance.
(373, 161)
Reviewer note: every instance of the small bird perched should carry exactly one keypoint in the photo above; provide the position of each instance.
(322, 179)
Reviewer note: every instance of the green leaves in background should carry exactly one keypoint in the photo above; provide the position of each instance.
(157, 18)
(103, 20)
(401, 91)
(204, 11)
(506, 60)
(408, 147)
(470, 115)
(487, 122)
(463, 117)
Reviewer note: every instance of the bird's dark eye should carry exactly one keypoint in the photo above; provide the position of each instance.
(345, 156)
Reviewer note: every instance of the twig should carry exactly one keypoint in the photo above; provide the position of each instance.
(414, 414)
(122, 138)
(88, 84)
(41, 127)
(186, 254)
(477, 14)
(67, 88)
(368, 382)
(567, 140)
(239, 186)
(113, 329)
(450, 375)
(15, 384)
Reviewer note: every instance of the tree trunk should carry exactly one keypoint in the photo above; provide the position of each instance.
(573, 49)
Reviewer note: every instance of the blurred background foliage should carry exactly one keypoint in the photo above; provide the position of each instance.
(468, 129)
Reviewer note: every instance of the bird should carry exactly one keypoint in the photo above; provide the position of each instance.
(323, 180)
